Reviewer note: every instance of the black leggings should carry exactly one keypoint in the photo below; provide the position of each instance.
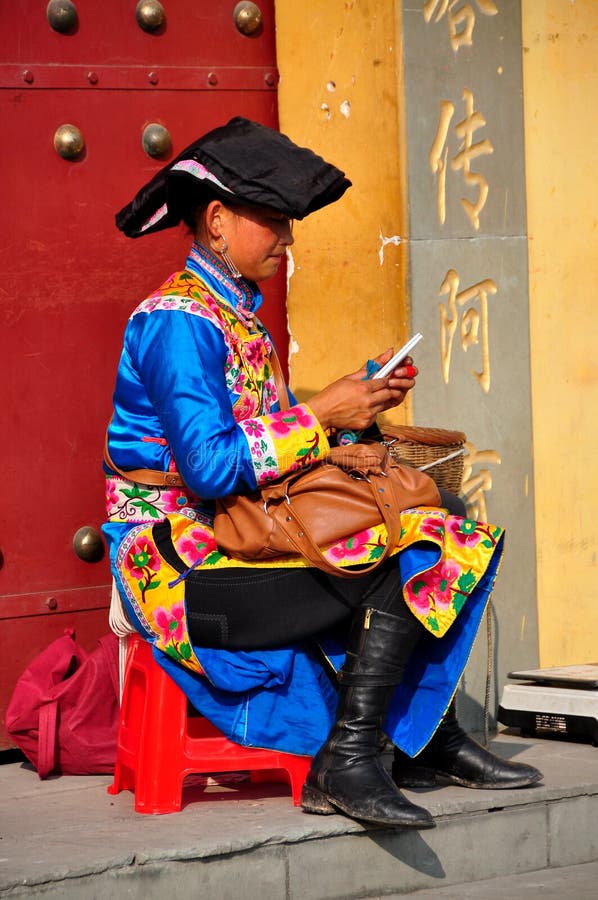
(254, 608)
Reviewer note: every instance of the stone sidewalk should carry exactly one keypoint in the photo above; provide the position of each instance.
(570, 882)
(67, 838)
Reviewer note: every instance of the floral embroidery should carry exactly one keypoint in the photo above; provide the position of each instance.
(247, 370)
(198, 547)
(254, 428)
(173, 632)
(175, 501)
(437, 594)
(445, 575)
(283, 423)
(130, 502)
(170, 622)
(143, 561)
(354, 548)
(285, 441)
(433, 526)
(435, 589)
(161, 612)
(255, 354)
(464, 531)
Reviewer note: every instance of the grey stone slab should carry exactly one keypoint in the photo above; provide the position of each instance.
(259, 874)
(67, 838)
(574, 882)
(573, 832)
(457, 850)
(437, 73)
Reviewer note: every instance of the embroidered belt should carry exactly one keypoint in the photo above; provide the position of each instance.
(142, 504)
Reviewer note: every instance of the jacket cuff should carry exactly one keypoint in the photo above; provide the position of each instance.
(283, 441)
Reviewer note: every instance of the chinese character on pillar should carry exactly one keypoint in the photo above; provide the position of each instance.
(462, 160)
(477, 484)
(473, 326)
(460, 18)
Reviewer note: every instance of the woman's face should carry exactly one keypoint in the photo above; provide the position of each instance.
(257, 240)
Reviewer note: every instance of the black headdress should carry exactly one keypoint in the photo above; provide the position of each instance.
(243, 163)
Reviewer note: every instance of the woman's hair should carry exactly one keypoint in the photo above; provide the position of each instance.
(194, 213)
(192, 217)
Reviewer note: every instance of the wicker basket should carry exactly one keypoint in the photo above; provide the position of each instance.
(419, 447)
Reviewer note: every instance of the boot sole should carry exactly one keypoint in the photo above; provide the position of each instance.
(429, 778)
(315, 801)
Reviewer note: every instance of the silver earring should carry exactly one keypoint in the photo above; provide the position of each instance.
(228, 261)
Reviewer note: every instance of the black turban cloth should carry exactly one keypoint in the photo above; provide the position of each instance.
(241, 162)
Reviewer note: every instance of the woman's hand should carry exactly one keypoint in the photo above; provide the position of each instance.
(353, 402)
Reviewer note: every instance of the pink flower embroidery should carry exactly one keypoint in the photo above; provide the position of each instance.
(283, 423)
(417, 595)
(246, 407)
(174, 500)
(444, 576)
(196, 545)
(269, 475)
(463, 531)
(142, 557)
(111, 493)
(351, 547)
(254, 428)
(170, 622)
(240, 381)
(433, 587)
(255, 354)
(268, 397)
(433, 527)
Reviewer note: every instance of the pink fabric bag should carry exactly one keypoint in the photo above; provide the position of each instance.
(64, 710)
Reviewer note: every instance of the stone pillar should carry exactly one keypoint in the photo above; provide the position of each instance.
(468, 288)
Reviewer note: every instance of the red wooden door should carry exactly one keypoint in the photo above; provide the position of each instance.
(69, 279)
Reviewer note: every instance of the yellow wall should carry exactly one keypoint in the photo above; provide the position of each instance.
(560, 64)
(339, 65)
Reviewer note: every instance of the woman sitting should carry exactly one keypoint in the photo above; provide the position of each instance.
(197, 417)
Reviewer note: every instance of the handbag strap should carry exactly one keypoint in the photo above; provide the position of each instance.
(157, 478)
(279, 381)
(286, 517)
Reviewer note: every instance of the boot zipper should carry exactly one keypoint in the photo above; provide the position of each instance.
(368, 616)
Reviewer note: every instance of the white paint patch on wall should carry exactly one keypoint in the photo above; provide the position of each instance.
(293, 345)
(290, 267)
(345, 108)
(384, 241)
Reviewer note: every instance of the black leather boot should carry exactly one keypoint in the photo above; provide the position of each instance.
(453, 756)
(347, 774)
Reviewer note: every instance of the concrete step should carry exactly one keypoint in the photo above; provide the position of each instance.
(571, 882)
(67, 838)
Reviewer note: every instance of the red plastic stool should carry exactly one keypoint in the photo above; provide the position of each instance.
(158, 744)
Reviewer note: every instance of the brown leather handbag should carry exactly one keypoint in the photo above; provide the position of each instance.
(356, 488)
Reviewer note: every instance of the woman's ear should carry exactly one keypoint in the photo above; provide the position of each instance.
(213, 219)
